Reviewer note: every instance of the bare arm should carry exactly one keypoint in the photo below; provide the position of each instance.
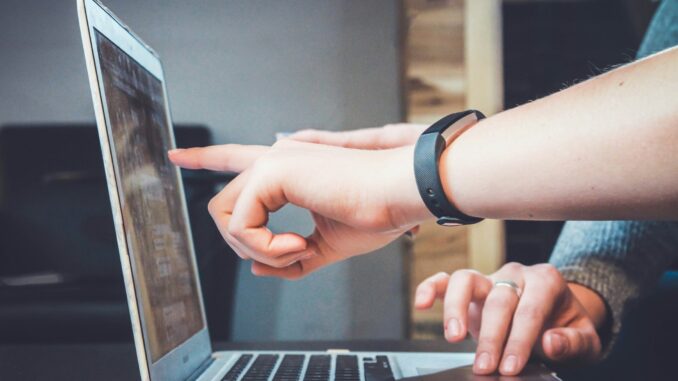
(606, 148)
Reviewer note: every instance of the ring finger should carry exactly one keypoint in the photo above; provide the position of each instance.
(496, 318)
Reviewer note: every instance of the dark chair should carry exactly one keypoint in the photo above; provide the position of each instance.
(60, 276)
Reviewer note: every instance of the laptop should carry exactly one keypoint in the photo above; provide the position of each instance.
(154, 239)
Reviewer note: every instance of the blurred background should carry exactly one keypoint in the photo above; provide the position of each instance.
(238, 72)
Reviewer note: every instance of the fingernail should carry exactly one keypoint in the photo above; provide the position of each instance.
(453, 327)
(558, 344)
(173, 151)
(483, 361)
(510, 364)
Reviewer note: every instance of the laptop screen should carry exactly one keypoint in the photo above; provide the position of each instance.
(153, 216)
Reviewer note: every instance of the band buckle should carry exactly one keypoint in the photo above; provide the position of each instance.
(449, 221)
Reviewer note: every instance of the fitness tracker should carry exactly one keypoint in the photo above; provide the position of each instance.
(427, 151)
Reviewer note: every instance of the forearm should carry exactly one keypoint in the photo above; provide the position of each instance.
(606, 148)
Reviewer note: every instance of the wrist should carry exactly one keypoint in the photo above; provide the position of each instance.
(403, 200)
(432, 156)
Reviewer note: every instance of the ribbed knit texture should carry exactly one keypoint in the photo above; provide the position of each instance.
(621, 260)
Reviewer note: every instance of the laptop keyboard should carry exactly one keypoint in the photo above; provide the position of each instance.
(318, 368)
(262, 368)
(290, 368)
(377, 370)
(237, 368)
(346, 368)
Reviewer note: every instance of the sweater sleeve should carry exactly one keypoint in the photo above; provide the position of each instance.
(620, 260)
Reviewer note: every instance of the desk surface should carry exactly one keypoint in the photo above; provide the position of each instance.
(118, 361)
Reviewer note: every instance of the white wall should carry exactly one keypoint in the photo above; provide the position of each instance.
(246, 69)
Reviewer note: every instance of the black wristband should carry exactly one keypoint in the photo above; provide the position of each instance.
(427, 152)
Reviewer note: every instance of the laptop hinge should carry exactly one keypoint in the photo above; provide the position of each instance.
(201, 369)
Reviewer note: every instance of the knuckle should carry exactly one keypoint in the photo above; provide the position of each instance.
(547, 270)
(282, 143)
(463, 275)
(551, 278)
(512, 267)
(234, 230)
(427, 283)
(212, 207)
(440, 275)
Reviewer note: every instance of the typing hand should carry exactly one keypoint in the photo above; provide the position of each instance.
(360, 200)
(548, 317)
(388, 136)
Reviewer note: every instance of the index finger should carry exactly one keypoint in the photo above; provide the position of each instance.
(225, 157)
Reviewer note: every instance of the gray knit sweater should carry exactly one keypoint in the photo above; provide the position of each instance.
(621, 260)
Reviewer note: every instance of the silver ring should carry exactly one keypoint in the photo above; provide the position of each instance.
(510, 284)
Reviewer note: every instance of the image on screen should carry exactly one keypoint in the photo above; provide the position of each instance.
(152, 212)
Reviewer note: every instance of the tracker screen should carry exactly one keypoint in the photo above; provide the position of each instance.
(153, 216)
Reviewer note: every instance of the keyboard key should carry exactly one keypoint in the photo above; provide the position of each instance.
(318, 368)
(290, 368)
(346, 368)
(237, 368)
(262, 368)
(378, 369)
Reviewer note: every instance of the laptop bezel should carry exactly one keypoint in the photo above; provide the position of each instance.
(189, 356)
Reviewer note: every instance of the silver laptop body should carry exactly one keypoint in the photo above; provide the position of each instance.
(154, 238)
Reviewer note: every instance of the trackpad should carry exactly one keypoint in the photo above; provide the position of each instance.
(532, 372)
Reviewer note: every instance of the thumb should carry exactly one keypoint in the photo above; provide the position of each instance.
(563, 344)
(319, 257)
